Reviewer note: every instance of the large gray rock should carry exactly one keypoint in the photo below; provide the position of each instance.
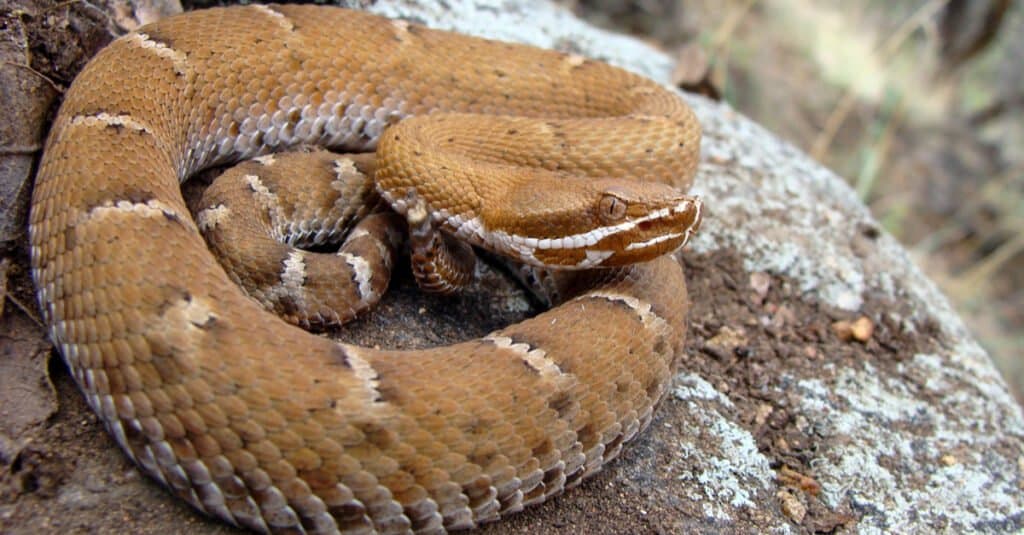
(777, 422)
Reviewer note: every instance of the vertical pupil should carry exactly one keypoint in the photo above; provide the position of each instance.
(613, 207)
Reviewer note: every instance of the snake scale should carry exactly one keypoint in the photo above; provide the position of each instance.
(552, 158)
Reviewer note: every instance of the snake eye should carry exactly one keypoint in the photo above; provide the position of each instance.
(612, 208)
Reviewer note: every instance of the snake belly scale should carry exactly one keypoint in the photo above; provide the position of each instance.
(271, 428)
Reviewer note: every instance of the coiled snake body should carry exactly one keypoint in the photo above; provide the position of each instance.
(272, 428)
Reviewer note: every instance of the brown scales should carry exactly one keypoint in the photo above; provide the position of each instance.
(257, 213)
(267, 426)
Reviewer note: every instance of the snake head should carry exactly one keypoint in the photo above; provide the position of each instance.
(589, 223)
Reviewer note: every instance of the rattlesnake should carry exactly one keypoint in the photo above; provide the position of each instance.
(518, 150)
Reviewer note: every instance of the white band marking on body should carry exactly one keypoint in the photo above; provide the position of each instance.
(266, 160)
(364, 371)
(293, 277)
(210, 217)
(278, 17)
(536, 359)
(363, 273)
(105, 119)
(178, 59)
(643, 309)
(149, 209)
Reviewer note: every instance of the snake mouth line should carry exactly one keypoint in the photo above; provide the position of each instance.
(654, 241)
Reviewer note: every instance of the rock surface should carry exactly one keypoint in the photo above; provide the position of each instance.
(827, 384)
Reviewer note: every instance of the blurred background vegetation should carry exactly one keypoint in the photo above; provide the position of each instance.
(919, 104)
